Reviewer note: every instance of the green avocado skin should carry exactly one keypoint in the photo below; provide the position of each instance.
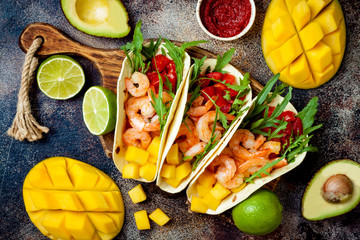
(314, 207)
(69, 9)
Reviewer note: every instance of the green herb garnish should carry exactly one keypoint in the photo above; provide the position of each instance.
(222, 61)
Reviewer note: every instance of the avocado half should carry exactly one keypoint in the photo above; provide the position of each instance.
(104, 18)
(314, 205)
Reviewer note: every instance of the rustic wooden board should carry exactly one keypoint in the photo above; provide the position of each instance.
(108, 63)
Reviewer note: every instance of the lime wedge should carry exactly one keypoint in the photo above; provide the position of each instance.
(99, 110)
(60, 77)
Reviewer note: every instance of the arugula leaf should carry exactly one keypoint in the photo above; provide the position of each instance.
(198, 63)
(227, 95)
(222, 61)
(195, 94)
(149, 52)
(308, 113)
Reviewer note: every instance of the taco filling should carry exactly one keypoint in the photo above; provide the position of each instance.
(215, 100)
(270, 138)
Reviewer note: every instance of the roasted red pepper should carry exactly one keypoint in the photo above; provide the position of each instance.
(210, 91)
(161, 62)
(214, 75)
(297, 127)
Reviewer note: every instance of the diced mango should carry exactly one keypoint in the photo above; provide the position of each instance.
(159, 217)
(336, 40)
(131, 170)
(219, 191)
(136, 155)
(154, 147)
(61, 210)
(174, 182)
(282, 29)
(207, 178)
(173, 155)
(102, 222)
(168, 171)
(319, 57)
(299, 69)
(54, 223)
(183, 170)
(277, 8)
(202, 190)
(290, 4)
(301, 15)
(83, 176)
(328, 20)
(239, 188)
(316, 6)
(79, 225)
(137, 194)
(142, 220)
(148, 171)
(275, 61)
(211, 202)
(93, 201)
(268, 43)
(311, 35)
(152, 159)
(197, 205)
(321, 76)
(291, 50)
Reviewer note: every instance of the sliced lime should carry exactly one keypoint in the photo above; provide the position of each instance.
(60, 77)
(99, 110)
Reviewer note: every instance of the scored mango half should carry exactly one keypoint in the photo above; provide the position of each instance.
(69, 199)
(304, 41)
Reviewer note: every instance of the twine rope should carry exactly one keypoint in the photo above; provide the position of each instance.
(24, 125)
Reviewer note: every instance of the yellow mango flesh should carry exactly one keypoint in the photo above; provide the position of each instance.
(202, 190)
(136, 155)
(137, 194)
(304, 41)
(219, 191)
(73, 201)
(168, 171)
(211, 202)
(173, 155)
(159, 217)
(207, 178)
(174, 182)
(197, 205)
(147, 171)
(153, 148)
(183, 170)
(131, 170)
(142, 220)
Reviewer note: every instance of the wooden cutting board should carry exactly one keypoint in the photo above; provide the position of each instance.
(107, 61)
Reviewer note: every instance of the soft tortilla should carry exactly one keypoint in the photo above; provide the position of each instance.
(122, 95)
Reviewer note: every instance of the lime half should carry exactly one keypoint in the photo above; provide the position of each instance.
(60, 77)
(99, 110)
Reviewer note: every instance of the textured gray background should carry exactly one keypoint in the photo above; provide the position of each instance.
(339, 111)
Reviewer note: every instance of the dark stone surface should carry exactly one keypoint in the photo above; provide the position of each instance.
(339, 111)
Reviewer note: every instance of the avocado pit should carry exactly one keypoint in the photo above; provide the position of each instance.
(92, 12)
(337, 189)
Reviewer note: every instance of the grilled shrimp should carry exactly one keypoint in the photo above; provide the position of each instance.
(196, 149)
(202, 126)
(196, 110)
(133, 137)
(138, 84)
(132, 107)
(226, 168)
(188, 130)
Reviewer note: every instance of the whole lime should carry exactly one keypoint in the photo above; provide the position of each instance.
(259, 214)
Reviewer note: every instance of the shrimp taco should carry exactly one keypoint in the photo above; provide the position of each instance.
(148, 91)
(272, 140)
(216, 95)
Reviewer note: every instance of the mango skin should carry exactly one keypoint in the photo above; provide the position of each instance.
(318, 26)
(69, 199)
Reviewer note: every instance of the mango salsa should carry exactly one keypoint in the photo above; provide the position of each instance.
(148, 171)
(142, 220)
(131, 170)
(136, 155)
(168, 171)
(153, 148)
(173, 155)
(211, 202)
(197, 205)
(304, 41)
(183, 170)
(159, 217)
(174, 182)
(219, 191)
(137, 194)
(73, 201)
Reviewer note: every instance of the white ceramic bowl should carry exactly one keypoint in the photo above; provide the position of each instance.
(242, 33)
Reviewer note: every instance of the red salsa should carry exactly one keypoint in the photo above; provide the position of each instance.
(225, 18)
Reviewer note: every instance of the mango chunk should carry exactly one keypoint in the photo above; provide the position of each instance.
(239, 188)
(152, 159)
(168, 171)
(159, 217)
(142, 220)
(183, 170)
(219, 191)
(79, 225)
(137, 194)
(154, 147)
(301, 15)
(197, 205)
(148, 171)
(174, 182)
(202, 190)
(131, 170)
(282, 29)
(211, 202)
(136, 155)
(173, 155)
(302, 64)
(207, 178)
(319, 57)
(61, 210)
